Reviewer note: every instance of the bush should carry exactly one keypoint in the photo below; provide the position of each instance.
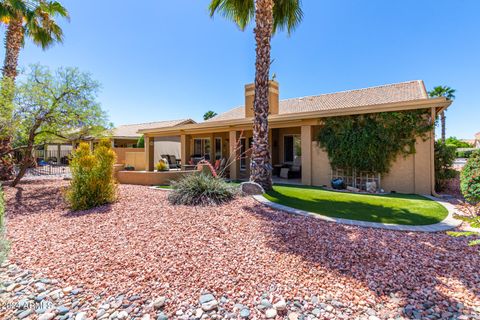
(470, 179)
(464, 153)
(457, 143)
(92, 183)
(4, 245)
(162, 165)
(201, 189)
(444, 157)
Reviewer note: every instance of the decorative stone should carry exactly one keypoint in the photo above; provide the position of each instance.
(293, 316)
(162, 316)
(24, 314)
(245, 313)
(204, 298)
(62, 310)
(198, 313)
(47, 316)
(159, 303)
(122, 315)
(251, 188)
(146, 317)
(280, 305)
(271, 313)
(81, 316)
(210, 305)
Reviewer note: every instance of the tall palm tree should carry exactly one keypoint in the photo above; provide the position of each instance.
(36, 20)
(447, 92)
(269, 15)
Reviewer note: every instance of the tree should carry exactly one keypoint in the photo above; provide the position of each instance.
(269, 15)
(35, 19)
(141, 142)
(209, 114)
(54, 105)
(454, 141)
(447, 92)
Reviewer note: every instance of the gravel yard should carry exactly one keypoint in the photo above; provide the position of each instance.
(244, 254)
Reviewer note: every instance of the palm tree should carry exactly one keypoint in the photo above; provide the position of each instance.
(447, 92)
(35, 19)
(269, 15)
(209, 114)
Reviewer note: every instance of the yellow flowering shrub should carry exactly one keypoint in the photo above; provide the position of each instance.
(93, 183)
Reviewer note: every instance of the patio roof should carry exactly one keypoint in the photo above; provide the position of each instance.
(130, 131)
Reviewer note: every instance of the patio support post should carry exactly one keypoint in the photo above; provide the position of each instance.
(59, 153)
(306, 143)
(235, 166)
(149, 151)
(185, 148)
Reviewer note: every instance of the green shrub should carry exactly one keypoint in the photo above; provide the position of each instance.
(470, 179)
(444, 157)
(162, 165)
(457, 143)
(4, 245)
(92, 182)
(464, 153)
(201, 189)
(141, 142)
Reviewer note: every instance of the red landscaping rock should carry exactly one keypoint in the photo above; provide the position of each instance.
(143, 248)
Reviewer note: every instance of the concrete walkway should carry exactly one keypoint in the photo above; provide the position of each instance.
(448, 223)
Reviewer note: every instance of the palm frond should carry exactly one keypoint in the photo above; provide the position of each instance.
(287, 15)
(239, 11)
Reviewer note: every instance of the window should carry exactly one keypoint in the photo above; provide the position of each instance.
(218, 148)
(292, 147)
(243, 149)
(201, 147)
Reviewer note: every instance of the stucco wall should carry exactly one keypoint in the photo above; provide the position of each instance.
(407, 175)
(122, 151)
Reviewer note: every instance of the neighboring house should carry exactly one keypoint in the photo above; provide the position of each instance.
(293, 125)
(477, 140)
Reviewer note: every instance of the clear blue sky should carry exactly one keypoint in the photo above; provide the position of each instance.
(159, 59)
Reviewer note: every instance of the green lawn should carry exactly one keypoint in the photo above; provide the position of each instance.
(393, 208)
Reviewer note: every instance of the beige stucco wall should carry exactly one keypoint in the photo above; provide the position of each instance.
(135, 159)
(412, 174)
(122, 151)
(148, 178)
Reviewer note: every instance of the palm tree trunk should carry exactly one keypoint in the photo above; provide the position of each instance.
(260, 166)
(443, 121)
(13, 43)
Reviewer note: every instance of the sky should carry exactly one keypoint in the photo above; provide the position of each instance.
(160, 60)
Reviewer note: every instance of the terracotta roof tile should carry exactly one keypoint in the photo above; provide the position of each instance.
(391, 93)
(131, 130)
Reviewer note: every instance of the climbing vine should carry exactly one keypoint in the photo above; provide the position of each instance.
(371, 142)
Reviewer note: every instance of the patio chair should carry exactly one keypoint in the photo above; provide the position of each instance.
(295, 170)
(172, 161)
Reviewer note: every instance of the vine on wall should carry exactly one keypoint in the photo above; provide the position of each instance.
(371, 142)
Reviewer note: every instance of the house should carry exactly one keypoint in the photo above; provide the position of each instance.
(125, 137)
(477, 140)
(293, 124)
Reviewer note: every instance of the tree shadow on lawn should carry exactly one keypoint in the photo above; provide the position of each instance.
(413, 266)
(357, 210)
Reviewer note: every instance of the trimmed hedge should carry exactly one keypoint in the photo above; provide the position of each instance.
(470, 179)
(464, 153)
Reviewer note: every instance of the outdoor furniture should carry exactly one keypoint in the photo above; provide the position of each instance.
(276, 169)
(172, 162)
(296, 168)
(189, 167)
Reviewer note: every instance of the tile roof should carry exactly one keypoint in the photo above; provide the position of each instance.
(131, 130)
(391, 93)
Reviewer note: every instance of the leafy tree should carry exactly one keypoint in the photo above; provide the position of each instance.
(55, 105)
(209, 114)
(447, 92)
(453, 141)
(269, 15)
(7, 91)
(36, 20)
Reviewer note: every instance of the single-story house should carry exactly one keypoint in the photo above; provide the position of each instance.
(293, 124)
(477, 140)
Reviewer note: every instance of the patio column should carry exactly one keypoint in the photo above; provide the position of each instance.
(235, 165)
(185, 148)
(149, 152)
(306, 142)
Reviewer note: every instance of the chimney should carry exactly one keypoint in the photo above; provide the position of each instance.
(273, 98)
